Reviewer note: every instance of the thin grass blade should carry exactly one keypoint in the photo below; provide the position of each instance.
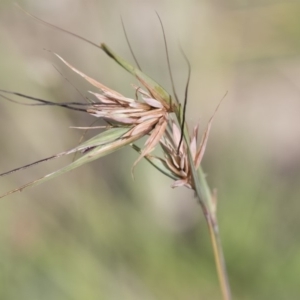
(138, 73)
(157, 163)
(92, 155)
(108, 136)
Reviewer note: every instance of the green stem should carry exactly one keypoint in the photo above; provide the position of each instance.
(219, 257)
(208, 205)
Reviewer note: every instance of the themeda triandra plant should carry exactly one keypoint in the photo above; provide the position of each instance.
(154, 113)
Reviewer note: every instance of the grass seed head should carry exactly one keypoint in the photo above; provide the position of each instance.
(146, 114)
(177, 159)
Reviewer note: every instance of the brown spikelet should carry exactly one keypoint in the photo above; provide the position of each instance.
(153, 139)
(149, 116)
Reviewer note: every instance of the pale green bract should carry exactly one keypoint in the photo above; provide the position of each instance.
(102, 144)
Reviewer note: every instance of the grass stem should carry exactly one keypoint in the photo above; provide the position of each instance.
(219, 257)
(208, 206)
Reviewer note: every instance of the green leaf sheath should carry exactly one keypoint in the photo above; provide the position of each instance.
(137, 73)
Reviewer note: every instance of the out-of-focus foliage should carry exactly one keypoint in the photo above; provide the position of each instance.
(95, 233)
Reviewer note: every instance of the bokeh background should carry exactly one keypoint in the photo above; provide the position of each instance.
(94, 233)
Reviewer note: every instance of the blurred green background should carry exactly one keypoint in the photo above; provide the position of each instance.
(95, 233)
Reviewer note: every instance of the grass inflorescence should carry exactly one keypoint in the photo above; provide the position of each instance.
(152, 113)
